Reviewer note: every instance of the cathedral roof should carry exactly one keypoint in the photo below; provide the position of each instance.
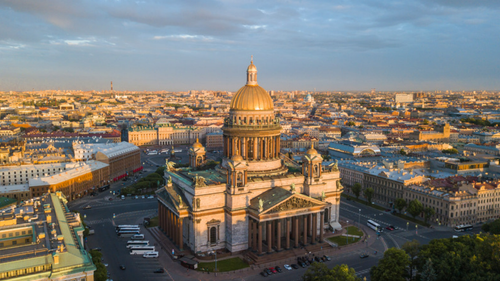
(197, 144)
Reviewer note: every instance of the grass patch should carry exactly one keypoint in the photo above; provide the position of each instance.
(352, 230)
(364, 202)
(411, 219)
(153, 222)
(342, 240)
(223, 265)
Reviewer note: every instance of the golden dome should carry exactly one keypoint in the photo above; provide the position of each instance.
(237, 158)
(312, 151)
(252, 67)
(197, 144)
(251, 98)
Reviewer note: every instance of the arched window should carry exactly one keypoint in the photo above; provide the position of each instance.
(213, 235)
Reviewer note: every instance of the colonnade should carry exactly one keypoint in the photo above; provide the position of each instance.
(284, 233)
(252, 148)
(171, 225)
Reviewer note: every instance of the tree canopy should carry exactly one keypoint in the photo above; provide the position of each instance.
(415, 208)
(400, 204)
(368, 193)
(356, 189)
(392, 267)
(320, 272)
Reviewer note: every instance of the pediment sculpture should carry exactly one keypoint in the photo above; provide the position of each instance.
(292, 204)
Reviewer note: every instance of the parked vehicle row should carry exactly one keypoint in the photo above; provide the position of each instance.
(301, 261)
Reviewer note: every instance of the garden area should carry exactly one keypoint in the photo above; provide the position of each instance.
(344, 240)
(223, 265)
(146, 185)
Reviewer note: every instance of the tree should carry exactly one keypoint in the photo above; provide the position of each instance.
(368, 192)
(403, 151)
(392, 267)
(492, 227)
(450, 151)
(428, 212)
(426, 122)
(400, 204)
(428, 273)
(411, 248)
(320, 272)
(415, 208)
(356, 189)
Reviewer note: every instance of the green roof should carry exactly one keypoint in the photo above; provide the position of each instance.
(5, 202)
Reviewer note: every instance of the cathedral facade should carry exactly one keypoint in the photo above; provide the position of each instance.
(251, 201)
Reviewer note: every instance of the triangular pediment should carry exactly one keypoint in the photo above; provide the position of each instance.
(295, 202)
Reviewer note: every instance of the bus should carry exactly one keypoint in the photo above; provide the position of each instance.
(462, 227)
(133, 243)
(127, 233)
(127, 226)
(141, 250)
(165, 150)
(152, 152)
(375, 226)
(129, 229)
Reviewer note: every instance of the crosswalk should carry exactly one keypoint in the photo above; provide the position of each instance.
(370, 218)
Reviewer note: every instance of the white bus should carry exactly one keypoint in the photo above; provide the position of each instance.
(152, 152)
(133, 243)
(127, 233)
(128, 229)
(127, 226)
(165, 150)
(150, 255)
(141, 250)
(373, 225)
(462, 227)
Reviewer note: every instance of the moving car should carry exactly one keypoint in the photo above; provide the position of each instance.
(96, 249)
(363, 256)
(390, 228)
(287, 267)
(122, 267)
(87, 207)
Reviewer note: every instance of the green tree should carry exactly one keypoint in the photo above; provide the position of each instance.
(403, 152)
(411, 248)
(392, 267)
(492, 227)
(368, 193)
(400, 204)
(426, 122)
(450, 151)
(356, 189)
(415, 208)
(160, 171)
(101, 272)
(428, 212)
(320, 272)
(428, 273)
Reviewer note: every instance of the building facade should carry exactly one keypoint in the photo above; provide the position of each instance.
(250, 201)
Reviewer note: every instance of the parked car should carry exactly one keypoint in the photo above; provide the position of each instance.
(269, 272)
(278, 269)
(317, 259)
(287, 267)
(264, 273)
(294, 266)
(159, 270)
(273, 270)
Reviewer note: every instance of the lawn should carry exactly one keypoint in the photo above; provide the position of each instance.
(223, 265)
(341, 240)
(352, 230)
(153, 222)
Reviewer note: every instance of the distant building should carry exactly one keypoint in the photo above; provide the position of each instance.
(443, 135)
(215, 141)
(43, 240)
(352, 149)
(403, 98)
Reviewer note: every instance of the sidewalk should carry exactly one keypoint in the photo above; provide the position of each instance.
(256, 269)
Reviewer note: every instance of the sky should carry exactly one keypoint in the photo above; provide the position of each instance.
(345, 45)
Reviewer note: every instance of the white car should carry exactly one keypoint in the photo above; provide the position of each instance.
(151, 197)
(287, 267)
(143, 197)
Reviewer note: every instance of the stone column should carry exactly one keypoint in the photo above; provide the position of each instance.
(243, 148)
(254, 232)
(260, 238)
(160, 210)
(305, 230)
(310, 224)
(278, 235)
(287, 231)
(174, 230)
(314, 228)
(296, 231)
(181, 238)
(255, 140)
(321, 224)
(169, 224)
(273, 232)
(250, 222)
(269, 237)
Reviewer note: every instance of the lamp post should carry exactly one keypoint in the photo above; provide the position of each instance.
(407, 224)
(215, 262)
(416, 229)
(359, 219)
(347, 237)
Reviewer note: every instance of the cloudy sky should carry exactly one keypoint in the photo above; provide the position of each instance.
(296, 44)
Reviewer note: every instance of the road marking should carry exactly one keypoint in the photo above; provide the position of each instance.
(395, 243)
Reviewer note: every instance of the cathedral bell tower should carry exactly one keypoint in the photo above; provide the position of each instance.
(196, 155)
(237, 174)
(311, 169)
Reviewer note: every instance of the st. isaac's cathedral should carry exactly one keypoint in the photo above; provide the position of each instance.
(251, 201)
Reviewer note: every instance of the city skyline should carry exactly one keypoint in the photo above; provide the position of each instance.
(195, 45)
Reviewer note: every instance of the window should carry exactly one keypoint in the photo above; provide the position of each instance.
(213, 235)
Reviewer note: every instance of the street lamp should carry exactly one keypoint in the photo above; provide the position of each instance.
(416, 229)
(359, 219)
(347, 237)
(407, 224)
